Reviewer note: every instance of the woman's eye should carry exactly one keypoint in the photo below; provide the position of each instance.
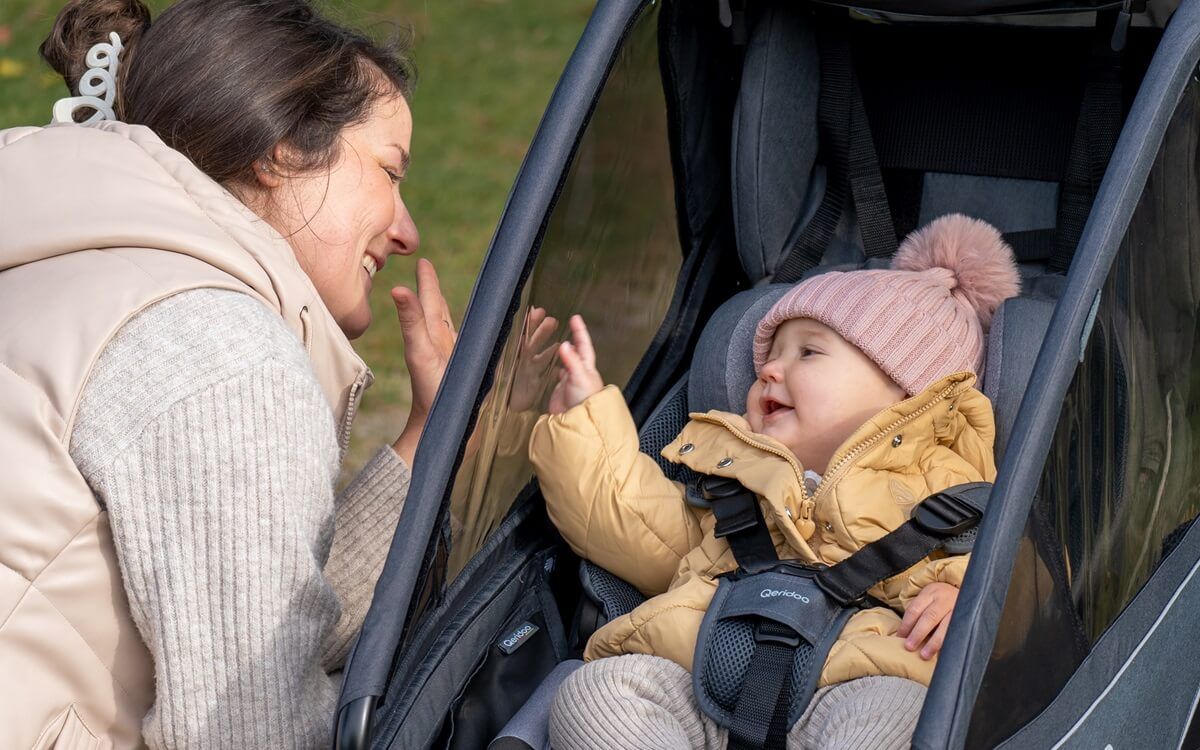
(393, 176)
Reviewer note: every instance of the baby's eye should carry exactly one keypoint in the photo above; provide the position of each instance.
(806, 351)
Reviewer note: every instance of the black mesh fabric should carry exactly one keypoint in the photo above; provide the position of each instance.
(661, 428)
(615, 596)
(728, 653)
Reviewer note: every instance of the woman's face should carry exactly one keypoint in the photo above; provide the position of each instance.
(344, 223)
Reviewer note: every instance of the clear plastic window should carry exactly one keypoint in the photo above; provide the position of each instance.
(610, 253)
(1120, 483)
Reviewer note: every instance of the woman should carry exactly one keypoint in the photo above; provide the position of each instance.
(178, 291)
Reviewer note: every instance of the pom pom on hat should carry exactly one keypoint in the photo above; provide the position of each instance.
(973, 250)
(920, 320)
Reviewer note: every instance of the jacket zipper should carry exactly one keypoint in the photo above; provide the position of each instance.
(831, 475)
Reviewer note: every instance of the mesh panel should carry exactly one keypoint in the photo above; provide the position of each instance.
(662, 427)
(727, 657)
(615, 597)
(801, 666)
(728, 653)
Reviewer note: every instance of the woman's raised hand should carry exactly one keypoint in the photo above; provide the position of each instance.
(577, 379)
(533, 359)
(429, 338)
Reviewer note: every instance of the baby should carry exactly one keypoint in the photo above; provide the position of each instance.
(863, 406)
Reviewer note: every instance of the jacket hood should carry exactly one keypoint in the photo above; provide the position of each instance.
(69, 188)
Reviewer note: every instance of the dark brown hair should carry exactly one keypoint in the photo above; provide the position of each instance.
(225, 81)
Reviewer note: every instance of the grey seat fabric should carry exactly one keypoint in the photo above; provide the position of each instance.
(777, 183)
(1013, 344)
(528, 729)
(778, 177)
(721, 374)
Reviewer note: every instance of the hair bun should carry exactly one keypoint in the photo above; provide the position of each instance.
(983, 264)
(83, 23)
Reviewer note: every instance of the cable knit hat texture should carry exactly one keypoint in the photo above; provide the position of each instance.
(920, 320)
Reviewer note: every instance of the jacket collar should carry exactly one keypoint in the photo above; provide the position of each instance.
(724, 444)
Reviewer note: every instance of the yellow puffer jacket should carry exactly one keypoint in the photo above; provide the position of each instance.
(615, 507)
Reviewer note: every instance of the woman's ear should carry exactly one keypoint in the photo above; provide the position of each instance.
(265, 174)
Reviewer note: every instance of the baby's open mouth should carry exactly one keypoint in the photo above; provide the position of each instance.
(771, 407)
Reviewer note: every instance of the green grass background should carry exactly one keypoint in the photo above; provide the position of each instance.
(486, 70)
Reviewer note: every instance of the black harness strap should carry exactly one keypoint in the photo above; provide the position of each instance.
(760, 719)
(851, 165)
(1096, 132)
(939, 517)
(740, 522)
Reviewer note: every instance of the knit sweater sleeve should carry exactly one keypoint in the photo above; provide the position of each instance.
(205, 435)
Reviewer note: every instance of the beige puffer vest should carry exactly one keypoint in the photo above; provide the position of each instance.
(96, 223)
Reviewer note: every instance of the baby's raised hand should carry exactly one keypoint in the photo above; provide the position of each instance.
(577, 378)
(927, 619)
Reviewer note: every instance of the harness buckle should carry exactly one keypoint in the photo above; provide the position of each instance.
(768, 631)
(945, 515)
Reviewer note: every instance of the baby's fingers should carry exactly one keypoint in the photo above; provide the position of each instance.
(936, 640)
(915, 608)
(570, 359)
(583, 341)
(925, 624)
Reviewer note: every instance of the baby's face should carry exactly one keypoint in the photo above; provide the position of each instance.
(815, 390)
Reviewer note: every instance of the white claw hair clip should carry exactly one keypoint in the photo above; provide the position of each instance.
(97, 87)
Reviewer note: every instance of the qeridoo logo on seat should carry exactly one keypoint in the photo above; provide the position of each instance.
(517, 638)
(772, 593)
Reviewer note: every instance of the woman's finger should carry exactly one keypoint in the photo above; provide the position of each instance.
(412, 320)
(433, 304)
(583, 341)
(533, 321)
(542, 332)
(430, 287)
(545, 355)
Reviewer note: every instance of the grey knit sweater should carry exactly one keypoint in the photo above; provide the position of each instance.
(205, 434)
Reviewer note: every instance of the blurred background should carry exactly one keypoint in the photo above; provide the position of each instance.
(486, 69)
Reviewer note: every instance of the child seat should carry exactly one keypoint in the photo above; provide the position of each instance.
(1018, 175)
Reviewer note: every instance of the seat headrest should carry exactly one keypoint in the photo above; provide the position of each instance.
(777, 184)
(723, 363)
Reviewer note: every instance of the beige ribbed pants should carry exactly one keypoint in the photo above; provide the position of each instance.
(640, 702)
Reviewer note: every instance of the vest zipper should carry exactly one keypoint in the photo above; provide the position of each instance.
(352, 402)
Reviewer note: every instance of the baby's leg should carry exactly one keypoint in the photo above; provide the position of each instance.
(870, 713)
(632, 702)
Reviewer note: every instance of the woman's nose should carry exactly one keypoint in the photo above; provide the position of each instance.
(403, 231)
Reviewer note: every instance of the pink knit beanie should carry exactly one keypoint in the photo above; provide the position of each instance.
(922, 319)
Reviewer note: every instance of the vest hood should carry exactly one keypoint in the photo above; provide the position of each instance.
(116, 185)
